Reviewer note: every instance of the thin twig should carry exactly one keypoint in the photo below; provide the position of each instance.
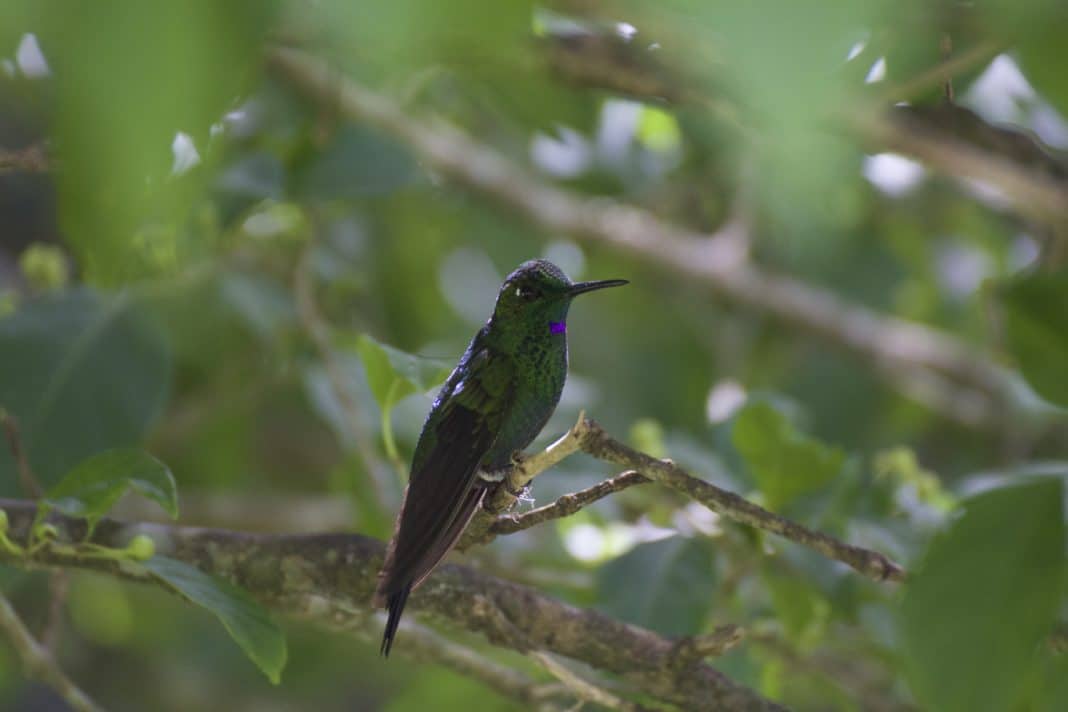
(583, 688)
(942, 72)
(422, 643)
(694, 648)
(564, 506)
(31, 159)
(38, 663)
(595, 441)
(30, 485)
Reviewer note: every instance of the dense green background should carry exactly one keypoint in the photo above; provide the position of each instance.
(146, 306)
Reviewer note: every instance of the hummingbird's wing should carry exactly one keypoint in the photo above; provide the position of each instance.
(441, 495)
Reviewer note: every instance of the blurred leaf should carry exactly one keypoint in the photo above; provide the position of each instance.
(664, 585)
(254, 176)
(262, 304)
(156, 70)
(1037, 329)
(658, 129)
(244, 618)
(1053, 693)
(322, 395)
(784, 462)
(91, 488)
(358, 163)
(99, 606)
(801, 610)
(782, 75)
(985, 595)
(82, 373)
(44, 266)
(647, 435)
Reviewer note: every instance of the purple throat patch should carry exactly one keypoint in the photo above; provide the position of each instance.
(557, 327)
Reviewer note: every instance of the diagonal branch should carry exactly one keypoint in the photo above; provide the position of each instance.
(424, 644)
(596, 442)
(589, 437)
(980, 393)
(39, 663)
(584, 689)
(329, 578)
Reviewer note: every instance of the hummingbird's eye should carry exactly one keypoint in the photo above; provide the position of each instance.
(526, 292)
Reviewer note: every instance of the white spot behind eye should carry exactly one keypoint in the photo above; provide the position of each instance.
(519, 291)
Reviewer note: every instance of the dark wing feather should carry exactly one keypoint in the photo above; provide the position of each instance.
(442, 496)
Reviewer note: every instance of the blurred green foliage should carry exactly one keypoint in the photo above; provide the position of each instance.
(1002, 564)
(164, 287)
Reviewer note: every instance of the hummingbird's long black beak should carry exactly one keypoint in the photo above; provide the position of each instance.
(583, 287)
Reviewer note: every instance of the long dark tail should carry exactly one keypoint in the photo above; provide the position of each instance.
(395, 604)
(405, 562)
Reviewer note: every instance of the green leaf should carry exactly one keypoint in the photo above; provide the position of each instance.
(984, 596)
(394, 374)
(91, 488)
(664, 585)
(82, 373)
(244, 619)
(784, 462)
(1037, 330)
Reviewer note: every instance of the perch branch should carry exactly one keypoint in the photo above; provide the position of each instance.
(39, 663)
(329, 579)
(587, 436)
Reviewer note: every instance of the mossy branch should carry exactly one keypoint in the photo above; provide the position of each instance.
(328, 579)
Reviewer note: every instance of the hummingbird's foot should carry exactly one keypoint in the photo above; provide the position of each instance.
(525, 496)
(520, 494)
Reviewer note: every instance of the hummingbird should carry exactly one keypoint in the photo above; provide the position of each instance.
(492, 405)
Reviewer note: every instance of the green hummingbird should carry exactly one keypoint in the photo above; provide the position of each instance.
(493, 404)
